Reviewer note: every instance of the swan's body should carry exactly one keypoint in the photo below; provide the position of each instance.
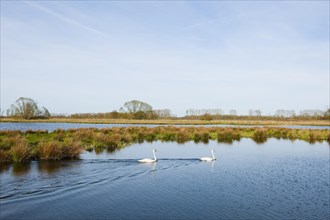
(147, 160)
(209, 158)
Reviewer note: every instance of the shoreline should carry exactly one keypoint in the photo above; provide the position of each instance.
(172, 122)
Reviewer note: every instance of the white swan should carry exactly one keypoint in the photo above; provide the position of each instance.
(209, 158)
(147, 160)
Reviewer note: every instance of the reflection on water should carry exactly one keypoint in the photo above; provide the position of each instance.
(4, 166)
(43, 167)
(20, 169)
(150, 166)
(51, 167)
(277, 180)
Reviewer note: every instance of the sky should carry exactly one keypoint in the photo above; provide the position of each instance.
(93, 56)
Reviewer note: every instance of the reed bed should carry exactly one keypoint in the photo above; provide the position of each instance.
(62, 144)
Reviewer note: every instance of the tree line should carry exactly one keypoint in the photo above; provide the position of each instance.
(28, 108)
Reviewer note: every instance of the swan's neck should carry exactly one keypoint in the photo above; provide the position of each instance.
(213, 157)
(154, 155)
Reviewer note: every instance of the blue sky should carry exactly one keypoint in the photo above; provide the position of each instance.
(80, 56)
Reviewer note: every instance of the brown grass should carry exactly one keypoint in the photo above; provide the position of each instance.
(177, 121)
(49, 150)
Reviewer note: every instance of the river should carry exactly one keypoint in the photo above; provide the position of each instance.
(279, 179)
(65, 126)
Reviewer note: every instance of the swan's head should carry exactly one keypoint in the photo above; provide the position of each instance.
(154, 150)
(212, 150)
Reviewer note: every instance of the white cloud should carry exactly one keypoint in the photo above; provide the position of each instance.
(64, 18)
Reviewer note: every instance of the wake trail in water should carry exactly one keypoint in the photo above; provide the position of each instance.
(99, 172)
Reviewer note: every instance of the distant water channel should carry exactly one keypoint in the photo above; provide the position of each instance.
(279, 179)
(65, 126)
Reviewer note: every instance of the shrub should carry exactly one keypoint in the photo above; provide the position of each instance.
(168, 136)
(8, 142)
(71, 149)
(49, 150)
(197, 137)
(182, 136)
(205, 137)
(228, 135)
(20, 152)
(149, 136)
(260, 135)
(5, 155)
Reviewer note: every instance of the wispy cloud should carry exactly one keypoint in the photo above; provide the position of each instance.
(64, 18)
(208, 54)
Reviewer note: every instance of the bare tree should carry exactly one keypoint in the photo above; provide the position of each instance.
(195, 112)
(313, 112)
(327, 113)
(285, 113)
(250, 112)
(135, 106)
(27, 108)
(232, 112)
(163, 113)
(258, 112)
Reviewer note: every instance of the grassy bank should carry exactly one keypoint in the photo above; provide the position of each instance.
(176, 121)
(60, 144)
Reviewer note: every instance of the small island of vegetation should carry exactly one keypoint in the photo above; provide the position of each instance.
(61, 144)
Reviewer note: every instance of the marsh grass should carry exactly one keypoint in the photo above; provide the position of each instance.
(49, 150)
(60, 144)
(260, 135)
(20, 151)
(182, 136)
(71, 149)
(5, 156)
(228, 135)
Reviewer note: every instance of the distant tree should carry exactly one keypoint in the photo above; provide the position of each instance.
(326, 114)
(138, 109)
(258, 112)
(206, 117)
(282, 113)
(233, 112)
(250, 112)
(9, 112)
(310, 113)
(135, 106)
(163, 113)
(27, 108)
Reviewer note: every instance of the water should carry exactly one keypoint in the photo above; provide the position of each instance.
(277, 180)
(54, 126)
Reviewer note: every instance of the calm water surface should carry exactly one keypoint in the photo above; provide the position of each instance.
(276, 180)
(54, 126)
